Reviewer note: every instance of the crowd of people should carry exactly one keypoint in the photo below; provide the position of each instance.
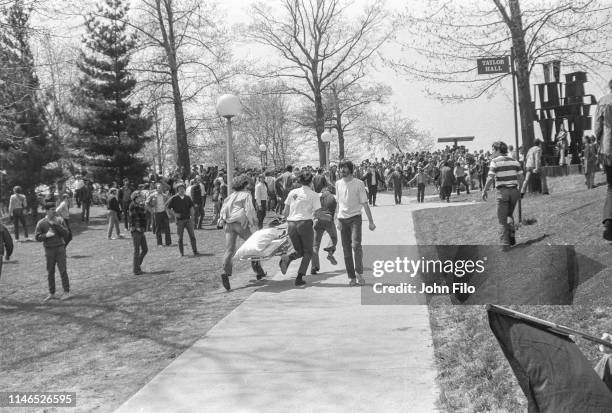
(152, 204)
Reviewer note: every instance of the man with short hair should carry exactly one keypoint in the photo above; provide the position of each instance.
(372, 178)
(6, 245)
(182, 207)
(508, 177)
(198, 196)
(460, 174)
(125, 197)
(447, 180)
(157, 202)
(52, 232)
(533, 165)
(603, 134)
(352, 197)
(319, 181)
(138, 227)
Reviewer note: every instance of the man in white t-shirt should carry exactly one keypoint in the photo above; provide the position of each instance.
(300, 205)
(352, 197)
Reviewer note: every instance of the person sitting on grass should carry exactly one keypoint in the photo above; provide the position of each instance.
(52, 232)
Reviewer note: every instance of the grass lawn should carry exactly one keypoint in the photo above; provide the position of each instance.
(118, 330)
(474, 376)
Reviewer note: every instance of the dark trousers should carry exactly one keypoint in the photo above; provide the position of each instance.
(125, 209)
(302, 237)
(162, 225)
(461, 180)
(67, 240)
(85, 205)
(149, 217)
(350, 234)
(1, 260)
(320, 229)
(19, 216)
(482, 180)
(420, 192)
(198, 217)
(57, 256)
(181, 225)
(140, 249)
(507, 199)
(445, 192)
(607, 210)
(372, 190)
(261, 214)
(397, 193)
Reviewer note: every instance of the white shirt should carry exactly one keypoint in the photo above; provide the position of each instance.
(302, 202)
(261, 192)
(351, 195)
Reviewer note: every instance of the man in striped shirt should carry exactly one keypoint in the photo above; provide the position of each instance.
(508, 177)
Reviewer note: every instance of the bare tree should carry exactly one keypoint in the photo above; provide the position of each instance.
(318, 44)
(267, 121)
(185, 52)
(396, 132)
(446, 40)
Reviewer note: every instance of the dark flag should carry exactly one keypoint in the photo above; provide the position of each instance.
(552, 372)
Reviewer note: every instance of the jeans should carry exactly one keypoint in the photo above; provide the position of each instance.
(397, 193)
(140, 249)
(607, 211)
(162, 224)
(420, 192)
(461, 180)
(302, 238)
(57, 256)
(69, 238)
(321, 228)
(181, 225)
(125, 209)
(542, 187)
(19, 216)
(85, 205)
(261, 214)
(507, 199)
(198, 217)
(113, 222)
(350, 233)
(233, 230)
(372, 190)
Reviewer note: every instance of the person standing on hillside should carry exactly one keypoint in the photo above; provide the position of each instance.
(16, 210)
(52, 232)
(508, 176)
(352, 198)
(138, 227)
(396, 178)
(533, 166)
(603, 134)
(182, 207)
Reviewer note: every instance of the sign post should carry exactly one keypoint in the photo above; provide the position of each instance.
(497, 65)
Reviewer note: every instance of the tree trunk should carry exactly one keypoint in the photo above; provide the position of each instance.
(526, 110)
(320, 128)
(182, 147)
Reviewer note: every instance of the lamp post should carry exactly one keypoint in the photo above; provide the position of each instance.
(326, 138)
(262, 150)
(229, 106)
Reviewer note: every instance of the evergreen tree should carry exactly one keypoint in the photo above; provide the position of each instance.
(111, 131)
(27, 148)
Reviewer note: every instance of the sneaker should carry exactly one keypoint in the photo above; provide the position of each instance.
(328, 250)
(607, 234)
(331, 259)
(352, 282)
(299, 281)
(138, 272)
(361, 279)
(225, 281)
(260, 276)
(49, 297)
(121, 236)
(314, 271)
(284, 264)
(65, 296)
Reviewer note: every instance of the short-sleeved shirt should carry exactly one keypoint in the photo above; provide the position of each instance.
(505, 170)
(351, 195)
(181, 206)
(302, 202)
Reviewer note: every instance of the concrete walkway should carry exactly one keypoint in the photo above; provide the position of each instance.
(312, 349)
